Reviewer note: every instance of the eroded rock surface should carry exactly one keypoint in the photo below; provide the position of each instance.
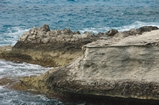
(113, 64)
(53, 40)
(127, 68)
(66, 40)
(48, 47)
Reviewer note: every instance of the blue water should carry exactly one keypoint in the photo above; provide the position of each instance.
(18, 16)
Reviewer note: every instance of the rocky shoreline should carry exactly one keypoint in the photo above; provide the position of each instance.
(107, 66)
(48, 47)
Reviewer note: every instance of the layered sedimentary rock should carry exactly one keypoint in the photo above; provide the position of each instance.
(48, 47)
(125, 68)
(116, 64)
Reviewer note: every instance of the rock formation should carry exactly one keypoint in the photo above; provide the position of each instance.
(44, 39)
(124, 64)
(128, 68)
(48, 47)
(55, 40)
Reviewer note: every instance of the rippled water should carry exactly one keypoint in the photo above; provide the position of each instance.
(11, 69)
(12, 97)
(18, 16)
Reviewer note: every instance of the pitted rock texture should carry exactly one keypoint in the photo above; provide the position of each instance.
(129, 71)
(115, 33)
(115, 64)
(45, 39)
(66, 40)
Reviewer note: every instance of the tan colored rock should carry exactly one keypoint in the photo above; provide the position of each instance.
(53, 40)
(48, 47)
(129, 69)
(124, 66)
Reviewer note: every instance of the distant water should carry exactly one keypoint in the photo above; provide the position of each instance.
(18, 16)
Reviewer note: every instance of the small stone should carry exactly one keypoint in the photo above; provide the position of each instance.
(45, 28)
(112, 32)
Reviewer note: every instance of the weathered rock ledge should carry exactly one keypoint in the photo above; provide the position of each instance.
(115, 64)
(48, 47)
(58, 47)
(44, 39)
(127, 68)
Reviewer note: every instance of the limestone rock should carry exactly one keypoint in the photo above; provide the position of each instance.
(111, 32)
(64, 39)
(49, 47)
(124, 65)
(136, 31)
(146, 29)
(100, 34)
(127, 68)
(45, 28)
(121, 35)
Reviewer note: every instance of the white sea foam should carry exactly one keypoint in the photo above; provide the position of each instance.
(1, 87)
(135, 25)
(11, 97)
(11, 36)
(20, 69)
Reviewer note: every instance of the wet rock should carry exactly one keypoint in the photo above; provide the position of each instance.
(5, 81)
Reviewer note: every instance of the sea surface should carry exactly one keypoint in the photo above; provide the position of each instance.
(18, 16)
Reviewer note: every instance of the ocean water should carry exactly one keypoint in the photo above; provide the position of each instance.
(18, 16)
